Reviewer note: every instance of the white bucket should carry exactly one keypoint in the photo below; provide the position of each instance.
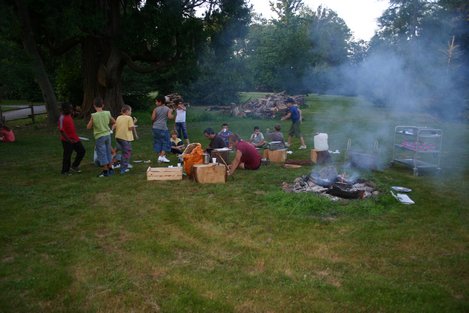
(320, 142)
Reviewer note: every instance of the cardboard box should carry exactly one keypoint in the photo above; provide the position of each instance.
(209, 173)
(314, 156)
(320, 157)
(276, 156)
(164, 173)
(222, 155)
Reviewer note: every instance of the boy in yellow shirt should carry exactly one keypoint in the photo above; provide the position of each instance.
(124, 136)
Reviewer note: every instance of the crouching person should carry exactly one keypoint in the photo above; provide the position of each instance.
(247, 157)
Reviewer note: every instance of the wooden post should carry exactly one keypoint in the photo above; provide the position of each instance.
(32, 113)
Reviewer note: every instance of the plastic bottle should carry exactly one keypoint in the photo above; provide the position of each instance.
(320, 142)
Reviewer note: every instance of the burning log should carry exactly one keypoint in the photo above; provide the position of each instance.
(346, 191)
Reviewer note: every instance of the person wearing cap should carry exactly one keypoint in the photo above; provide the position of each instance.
(294, 113)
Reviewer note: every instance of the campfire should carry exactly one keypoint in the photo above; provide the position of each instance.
(329, 183)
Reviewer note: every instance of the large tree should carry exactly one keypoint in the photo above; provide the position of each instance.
(20, 31)
(145, 36)
(283, 53)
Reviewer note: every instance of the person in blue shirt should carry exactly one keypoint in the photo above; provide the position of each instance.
(225, 133)
(294, 113)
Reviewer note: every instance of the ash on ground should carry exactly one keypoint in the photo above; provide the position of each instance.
(328, 183)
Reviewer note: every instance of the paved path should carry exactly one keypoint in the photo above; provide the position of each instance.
(23, 111)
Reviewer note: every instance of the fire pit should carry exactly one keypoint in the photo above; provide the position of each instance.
(327, 182)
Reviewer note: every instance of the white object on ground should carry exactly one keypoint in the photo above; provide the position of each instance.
(320, 142)
(84, 138)
(402, 198)
(401, 189)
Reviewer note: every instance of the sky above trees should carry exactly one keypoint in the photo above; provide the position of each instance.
(360, 15)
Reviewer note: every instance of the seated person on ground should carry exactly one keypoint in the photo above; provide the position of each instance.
(247, 157)
(225, 133)
(6, 134)
(276, 136)
(177, 146)
(216, 142)
(257, 138)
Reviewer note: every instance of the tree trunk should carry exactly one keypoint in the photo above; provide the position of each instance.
(103, 64)
(114, 67)
(102, 75)
(91, 65)
(40, 73)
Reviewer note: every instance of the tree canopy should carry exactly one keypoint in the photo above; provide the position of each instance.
(209, 50)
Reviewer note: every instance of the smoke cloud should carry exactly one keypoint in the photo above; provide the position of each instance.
(420, 85)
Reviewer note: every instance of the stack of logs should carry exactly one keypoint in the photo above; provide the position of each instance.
(267, 107)
(171, 98)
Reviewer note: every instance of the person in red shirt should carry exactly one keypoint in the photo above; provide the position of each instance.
(6, 134)
(70, 141)
(247, 157)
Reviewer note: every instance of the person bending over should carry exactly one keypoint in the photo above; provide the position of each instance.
(247, 157)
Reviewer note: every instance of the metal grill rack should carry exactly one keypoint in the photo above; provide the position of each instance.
(417, 147)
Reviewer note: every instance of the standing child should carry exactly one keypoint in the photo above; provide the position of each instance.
(225, 134)
(294, 113)
(159, 117)
(124, 136)
(181, 120)
(70, 141)
(99, 122)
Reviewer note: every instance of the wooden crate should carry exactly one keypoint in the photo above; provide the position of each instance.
(210, 173)
(276, 156)
(164, 173)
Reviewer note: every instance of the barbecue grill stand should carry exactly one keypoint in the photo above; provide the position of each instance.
(417, 147)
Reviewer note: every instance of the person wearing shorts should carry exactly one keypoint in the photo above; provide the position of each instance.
(294, 113)
(99, 122)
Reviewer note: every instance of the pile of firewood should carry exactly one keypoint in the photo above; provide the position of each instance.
(173, 97)
(267, 107)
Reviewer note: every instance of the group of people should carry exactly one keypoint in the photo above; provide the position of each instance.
(103, 125)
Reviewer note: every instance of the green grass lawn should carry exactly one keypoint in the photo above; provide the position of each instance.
(124, 244)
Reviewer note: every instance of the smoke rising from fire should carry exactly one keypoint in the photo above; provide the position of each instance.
(418, 85)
